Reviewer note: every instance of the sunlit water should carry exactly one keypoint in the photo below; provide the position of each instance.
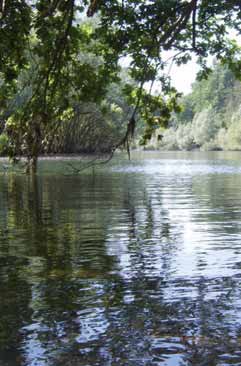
(134, 264)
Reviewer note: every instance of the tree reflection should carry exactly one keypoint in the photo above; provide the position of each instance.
(91, 273)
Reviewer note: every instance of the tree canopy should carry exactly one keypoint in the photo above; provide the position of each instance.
(45, 48)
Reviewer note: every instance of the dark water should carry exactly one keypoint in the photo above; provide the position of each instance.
(137, 264)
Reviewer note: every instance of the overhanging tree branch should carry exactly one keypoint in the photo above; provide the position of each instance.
(194, 24)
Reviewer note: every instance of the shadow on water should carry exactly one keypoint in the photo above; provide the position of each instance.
(120, 269)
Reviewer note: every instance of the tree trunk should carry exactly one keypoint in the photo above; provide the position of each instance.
(32, 164)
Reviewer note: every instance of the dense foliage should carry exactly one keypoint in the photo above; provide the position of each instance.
(53, 60)
(211, 116)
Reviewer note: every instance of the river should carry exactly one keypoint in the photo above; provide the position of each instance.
(132, 264)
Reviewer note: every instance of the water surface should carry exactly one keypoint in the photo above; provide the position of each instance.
(136, 263)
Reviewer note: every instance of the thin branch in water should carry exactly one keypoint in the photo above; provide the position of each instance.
(91, 163)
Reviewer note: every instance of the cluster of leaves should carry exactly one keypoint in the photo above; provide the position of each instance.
(145, 30)
(15, 25)
(156, 112)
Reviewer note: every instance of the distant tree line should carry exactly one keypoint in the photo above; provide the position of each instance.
(210, 117)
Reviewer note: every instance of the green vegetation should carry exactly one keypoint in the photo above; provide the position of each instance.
(56, 63)
(211, 115)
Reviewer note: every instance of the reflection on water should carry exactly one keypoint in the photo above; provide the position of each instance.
(137, 264)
